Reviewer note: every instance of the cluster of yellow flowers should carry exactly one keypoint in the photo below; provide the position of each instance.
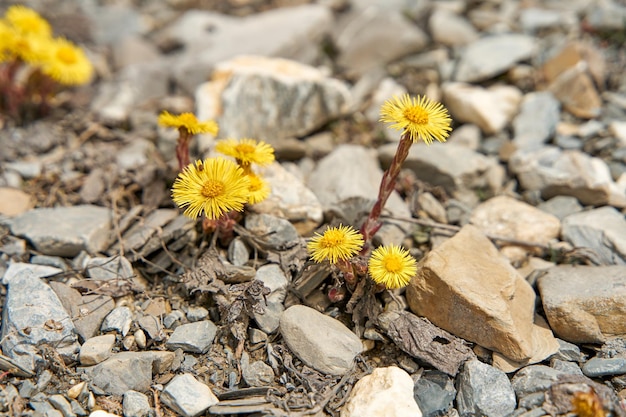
(216, 186)
(26, 37)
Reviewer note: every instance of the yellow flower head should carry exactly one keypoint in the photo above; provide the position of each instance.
(392, 266)
(66, 63)
(247, 151)
(337, 243)
(215, 186)
(7, 40)
(189, 122)
(27, 21)
(420, 117)
(259, 189)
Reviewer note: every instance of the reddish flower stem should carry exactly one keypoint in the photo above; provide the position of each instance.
(387, 185)
(182, 147)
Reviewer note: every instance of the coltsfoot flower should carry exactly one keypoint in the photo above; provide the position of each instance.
(259, 189)
(189, 122)
(215, 187)
(247, 151)
(66, 63)
(27, 21)
(392, 266)
(418, 116)
(336, 243)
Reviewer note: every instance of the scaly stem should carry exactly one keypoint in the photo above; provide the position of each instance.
(182, 147)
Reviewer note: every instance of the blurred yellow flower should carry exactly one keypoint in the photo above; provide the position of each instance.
(420, 117)
(215, 187)
(27, 21)
(259, 189)
(247, 151)
(392, 266)
(66, 63)
(336, 243)
(189, 122)
(7, 40)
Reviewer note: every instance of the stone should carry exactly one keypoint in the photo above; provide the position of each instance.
(491, 108)
(351, 171)
(467, 135)
(276, 232)
(141, 232)
(432, 207)
(580, 302)
(471, 171)
(257, 373)
(387, 88)
(386, 391)
(606, 16)
(484, 390)
(27, 169)
(290, 199)
(561, 206)
(467, 288)
(135, 155)
(238, 252)
(599, 367)
(33, 315)
(296, 34)
(319, 341)
(493, 55)
(618, 129)
(114, 267)
(133, 50)
(365, 42)
(193, 337)
(187, 396)
(84, 227)
(197, 313)
(14, 202)
(535, 19)
(293, 99)
(151, 325)
(451, 29)
(118, 320)
(534, 378)
(136, 404)
(96, 349)
(566, 367)
(507, 217)
(434, 393)
(537, 120)
(569, 352)
(60, 403)
(553, 172)
(122, 372)
(603, 230)
(272, 277)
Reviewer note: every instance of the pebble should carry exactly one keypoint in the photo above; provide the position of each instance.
(96, 349)
(152, 327)
(238, 253)
(114, 267)
(319, 341)
(136, 404)
(173, 319)
(187, 396)
(14, 202)
(122, 372)
(257, 373)
(60, 403)
(484, 390)
(118, 320)
(386, 391)
(84, 227)
(534, 378)
(197, 313)
(451, 29)
(193, 337)
(561, 206)
(434, 393)
(537, 120)
(580, 301)
(276, 232)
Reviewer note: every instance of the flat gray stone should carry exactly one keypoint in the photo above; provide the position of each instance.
(484, 390)
(434, 393)
(96, 349)
(276, 232)
(536, 122)
(136, 404)
(118, 320)
(33, 315)
(561, 206)
(257, 373)
(187, 396)
(122, 372)
(60, 403)
(83, 227)
(319, 341)
(113, 267)
(273, 277)
(534, 378)
(193, 337)
(603, 230)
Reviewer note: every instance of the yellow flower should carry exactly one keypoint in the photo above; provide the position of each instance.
(66, 63)
(215, 187)
(420, 117)
(247, 151)
(7, 40)
(392, 266)
(27, 21)
(259, 189)
(337, 243)
(189, 122)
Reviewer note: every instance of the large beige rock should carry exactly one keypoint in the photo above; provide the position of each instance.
(585, 304)
(467, 288)
(507, 217)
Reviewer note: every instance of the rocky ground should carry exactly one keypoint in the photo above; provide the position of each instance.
(113, 302)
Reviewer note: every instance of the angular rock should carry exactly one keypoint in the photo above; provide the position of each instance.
(386, 391)
(535, 19)
(114, 267)
(84, 227)
(434, 393)
(135, 404)
(257, 373)
(581, 302)
(467, 288)
(493, 55)
(365, 42)
(292, 99)
(319, 341)
(118, 320)
(599, 367)
(122, 372)
(14, 202)
(96, 349)
(276, 232)
(561, 206)
(193, 337)
(484, 390)
(536, 122)
(450, 29)
(290, 199)
(534, 378)
(187, 396)
(491, 109)
(507, 217)
(33, 315)
(553, 172)
(272, 277)
(602, 230)
(141, 232)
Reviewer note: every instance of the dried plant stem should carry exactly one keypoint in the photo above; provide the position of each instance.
(182, 147)
(387, 186)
